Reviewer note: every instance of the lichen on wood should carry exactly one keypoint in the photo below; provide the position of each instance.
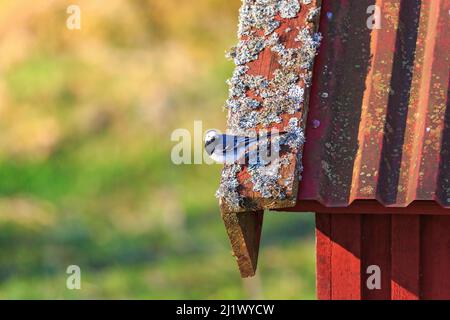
(269, 90)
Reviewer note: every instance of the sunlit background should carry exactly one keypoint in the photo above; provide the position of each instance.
(85, 172)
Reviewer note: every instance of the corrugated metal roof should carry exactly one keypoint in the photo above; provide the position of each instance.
(379, 115)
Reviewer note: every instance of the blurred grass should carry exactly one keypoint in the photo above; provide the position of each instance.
(85, 170)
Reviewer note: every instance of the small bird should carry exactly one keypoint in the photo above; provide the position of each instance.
(229, 149)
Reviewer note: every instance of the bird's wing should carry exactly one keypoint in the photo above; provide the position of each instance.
(230, 142)
(242, 141)
(236, 147)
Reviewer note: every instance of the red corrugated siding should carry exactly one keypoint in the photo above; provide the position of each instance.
(382, 99)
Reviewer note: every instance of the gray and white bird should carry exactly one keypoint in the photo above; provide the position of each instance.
(229, 149)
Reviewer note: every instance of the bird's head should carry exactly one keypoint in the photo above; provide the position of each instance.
(210, 136)
(211, 139)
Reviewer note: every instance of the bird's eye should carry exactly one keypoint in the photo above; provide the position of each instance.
(210, 139)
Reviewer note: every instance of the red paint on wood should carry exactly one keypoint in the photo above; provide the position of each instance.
(412, 251)
(323, 257)
(405, 257)
(376, 251)
(370, 207)
(266, 65)
(345, 253)
(435, 258)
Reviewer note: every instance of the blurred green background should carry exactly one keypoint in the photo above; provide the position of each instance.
(85, 171)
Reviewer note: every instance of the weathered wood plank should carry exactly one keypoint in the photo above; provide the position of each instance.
(435, 257)
(376, 252)
(244, 231)
(269, 90)
(345, 257)
(405, 271)
(323, 256)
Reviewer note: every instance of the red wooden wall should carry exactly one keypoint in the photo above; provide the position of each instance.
(412, 251)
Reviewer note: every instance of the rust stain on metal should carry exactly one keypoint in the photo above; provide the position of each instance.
(382, 100)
